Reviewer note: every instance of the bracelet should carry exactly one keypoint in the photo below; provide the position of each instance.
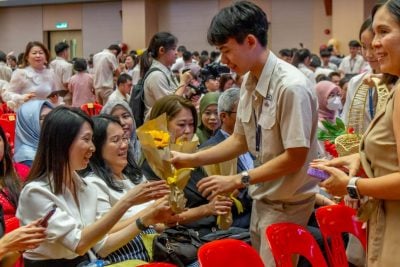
(140, 225)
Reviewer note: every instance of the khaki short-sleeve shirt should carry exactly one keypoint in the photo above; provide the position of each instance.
(283, 105)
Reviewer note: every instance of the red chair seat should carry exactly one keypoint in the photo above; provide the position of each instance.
(228, 252)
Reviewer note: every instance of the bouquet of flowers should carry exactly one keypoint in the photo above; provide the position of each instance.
(156, 144)
(338, 140)
(225, 168)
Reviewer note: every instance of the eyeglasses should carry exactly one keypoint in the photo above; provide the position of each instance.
(119, 140)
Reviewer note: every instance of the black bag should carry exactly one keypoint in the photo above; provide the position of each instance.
(177, 245)
(232, 232)
(136, 102)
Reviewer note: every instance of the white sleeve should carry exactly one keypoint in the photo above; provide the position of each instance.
(14, 92)
(103, 194)
(65, 226)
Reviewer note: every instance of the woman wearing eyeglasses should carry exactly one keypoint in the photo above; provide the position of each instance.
(209, 119)
(114, 173)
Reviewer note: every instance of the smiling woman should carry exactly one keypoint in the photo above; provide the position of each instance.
(379, 151)
(386, 27)
(35, 80)
(75, 229)
(114, 174)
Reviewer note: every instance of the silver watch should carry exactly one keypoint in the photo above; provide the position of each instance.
(352, 188)
(245, 178)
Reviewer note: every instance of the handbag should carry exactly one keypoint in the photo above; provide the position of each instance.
(177, 245)
(233, 232)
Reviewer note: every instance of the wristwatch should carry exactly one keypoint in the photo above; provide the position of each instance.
(245, 178)
(352, 188)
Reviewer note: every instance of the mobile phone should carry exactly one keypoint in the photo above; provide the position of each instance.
(317, 173)
(44, 220)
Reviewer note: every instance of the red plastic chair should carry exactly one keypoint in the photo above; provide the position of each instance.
(333, 221)
(288, 239)
(8, 116)
(92, 109)
(9, 129)
(157, 264)
(228, 252)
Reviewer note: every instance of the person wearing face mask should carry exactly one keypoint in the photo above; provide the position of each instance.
(329, 105)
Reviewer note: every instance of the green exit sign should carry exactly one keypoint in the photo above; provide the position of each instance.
(61, 25)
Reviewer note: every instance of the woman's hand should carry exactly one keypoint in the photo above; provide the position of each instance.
(23, 238)
(160, 213)
(220, 205)
(350, 163)
(336, 184)
(145, 192)
(28, 96)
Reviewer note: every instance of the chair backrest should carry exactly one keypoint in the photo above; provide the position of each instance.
(9, 129)
(333, 221)
(228, 252)
(288, 239)
(92, 109)
(8, 116)
(157, 264)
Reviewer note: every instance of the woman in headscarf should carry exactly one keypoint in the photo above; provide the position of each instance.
(27, 131)
(329, 102)
(209, 120)
(121, 109)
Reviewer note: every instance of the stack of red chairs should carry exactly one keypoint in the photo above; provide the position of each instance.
(91, 109)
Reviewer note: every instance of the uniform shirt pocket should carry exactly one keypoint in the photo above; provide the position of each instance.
(267, 118)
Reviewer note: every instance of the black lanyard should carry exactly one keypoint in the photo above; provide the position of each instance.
(258, 135)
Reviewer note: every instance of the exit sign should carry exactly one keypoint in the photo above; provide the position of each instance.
(61, 25)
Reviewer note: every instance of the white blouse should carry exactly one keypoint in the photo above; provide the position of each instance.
(65, 226)
(30, 80)
(107, 197)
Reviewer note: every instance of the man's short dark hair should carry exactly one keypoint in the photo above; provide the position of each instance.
(115, 47)
(181, 48)
(238, 21)
(123, 78)
(325, 53)
(186, 56)
(315, 61)
(285, 52)
(3, 57)
(80, 64)
(354, 43)
(60, 47)
(204, 53)
(333, 73)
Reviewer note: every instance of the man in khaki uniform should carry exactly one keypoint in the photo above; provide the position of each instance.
(276, 121)
(62, 69)
(105, 67)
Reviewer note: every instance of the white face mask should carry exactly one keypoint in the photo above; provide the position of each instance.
(334, 103)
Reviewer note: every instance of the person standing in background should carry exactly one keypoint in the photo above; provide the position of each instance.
(105, 67)
(62, 69)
